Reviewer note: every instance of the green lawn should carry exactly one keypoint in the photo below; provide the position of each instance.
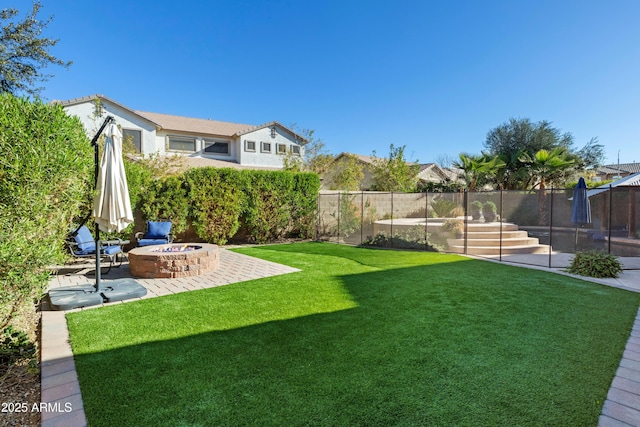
(358, 337)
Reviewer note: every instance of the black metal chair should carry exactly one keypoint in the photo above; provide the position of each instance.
(158, 233)
(82, 245)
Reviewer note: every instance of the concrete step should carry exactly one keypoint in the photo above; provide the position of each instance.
(497, 234)
(518, 241)
(505, 250)
(491, 226)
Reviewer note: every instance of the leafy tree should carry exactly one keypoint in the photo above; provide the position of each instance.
(24, 52)
(592, 154)
(394, 173)
(316, 157)
(345, 173)
(518, 141)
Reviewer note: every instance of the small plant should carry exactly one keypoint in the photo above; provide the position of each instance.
(476, 209)
(454, 227)
(412, 238)
(15, 345)
(443, 207)
(595, 264)
(489, 211)
(490, 207)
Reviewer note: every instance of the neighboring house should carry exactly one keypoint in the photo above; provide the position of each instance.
(367, 171)
(203, 142)
(429, 172)
(615, 171)
(624, 219)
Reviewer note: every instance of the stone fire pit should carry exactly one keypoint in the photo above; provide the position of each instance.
(174, 260)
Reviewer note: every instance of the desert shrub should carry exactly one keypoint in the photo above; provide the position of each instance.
(14, 346)
(443, 207)
(453, 227)
(46, 175)
(347, 216)
(595, 264)
(411, 238)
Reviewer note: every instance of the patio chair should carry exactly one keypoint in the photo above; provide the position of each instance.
(82, 245)
(158, 233)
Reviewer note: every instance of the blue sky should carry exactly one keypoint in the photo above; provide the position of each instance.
(435, 76)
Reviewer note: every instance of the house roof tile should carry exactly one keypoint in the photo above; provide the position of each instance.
(188, 124)
(623, 167)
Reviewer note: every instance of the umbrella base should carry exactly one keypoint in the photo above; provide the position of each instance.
(71, 297)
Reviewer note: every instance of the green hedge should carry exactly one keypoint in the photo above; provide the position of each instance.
(268, 205)
(46, 174)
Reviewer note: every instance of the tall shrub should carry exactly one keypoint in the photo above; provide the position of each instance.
(216, 201)
(46, 174)
(166, 198)
(304, 204)
(268, 208)
(280, 203)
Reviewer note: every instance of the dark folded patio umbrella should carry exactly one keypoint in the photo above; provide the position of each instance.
(580, 208)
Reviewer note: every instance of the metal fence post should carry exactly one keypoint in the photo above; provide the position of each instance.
(550, 226)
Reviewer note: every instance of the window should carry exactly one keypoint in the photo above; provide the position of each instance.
(295, 150)
(266, 147)
(134, 136)
(282, 149)
(250, 146)
(180, 143)
(216, 147)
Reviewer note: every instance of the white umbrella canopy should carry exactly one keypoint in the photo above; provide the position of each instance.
(112, 212)
(111, 207)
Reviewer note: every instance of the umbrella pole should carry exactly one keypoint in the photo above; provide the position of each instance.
(98, 249)
(96, 158)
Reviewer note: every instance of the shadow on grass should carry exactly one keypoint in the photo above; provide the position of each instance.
(470, 344)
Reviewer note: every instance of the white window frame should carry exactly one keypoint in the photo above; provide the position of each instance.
(281, 148)
(264, 144)
(210, 142)
(295, 150)
(183, 139)
(130, 132)
(247, 148)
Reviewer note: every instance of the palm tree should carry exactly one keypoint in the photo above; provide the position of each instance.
(478, 168)
(546, 164)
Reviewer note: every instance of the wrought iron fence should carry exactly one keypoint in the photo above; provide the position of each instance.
(529, 227)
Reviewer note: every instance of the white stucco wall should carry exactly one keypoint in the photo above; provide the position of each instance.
(122, 117)
(162, 143)
(155, 140)
(262, 159)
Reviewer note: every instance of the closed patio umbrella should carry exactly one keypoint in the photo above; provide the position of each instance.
(112, 213)
(580, 207)
(111, 207)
